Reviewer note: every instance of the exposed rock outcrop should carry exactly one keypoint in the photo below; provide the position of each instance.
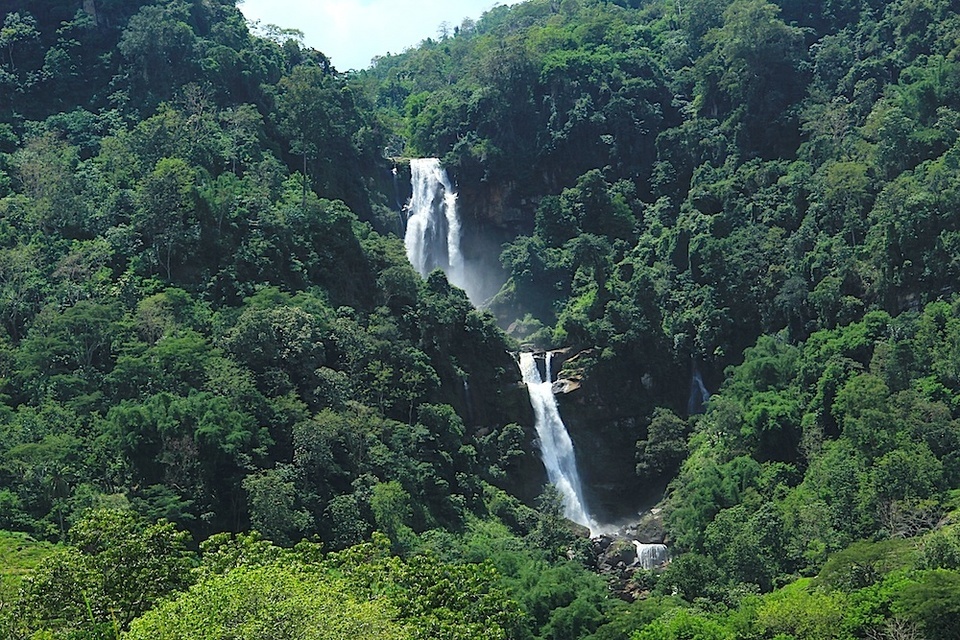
(626, 562)
(650, 529)
(606, 411)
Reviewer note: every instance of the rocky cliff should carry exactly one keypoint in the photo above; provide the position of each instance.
(606, 410)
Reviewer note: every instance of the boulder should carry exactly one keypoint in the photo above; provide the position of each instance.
(650, 529)
(619, 554)
(627, 563)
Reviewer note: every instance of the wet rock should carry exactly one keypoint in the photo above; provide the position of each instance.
(631, 558)
(601, 543)
(578, 529)
(566, 385)
(650, 529)
(621, 553)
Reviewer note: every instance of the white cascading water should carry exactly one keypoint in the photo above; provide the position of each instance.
(699, 395)
(651, 556)
(556, 448)
(432, 237)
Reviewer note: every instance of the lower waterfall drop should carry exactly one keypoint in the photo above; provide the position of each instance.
(556, 448)
(651, 556)
(432, 237)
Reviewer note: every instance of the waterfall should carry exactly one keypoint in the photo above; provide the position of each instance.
(651, 556)
(699, 396)
(556, 448)
(432, 237)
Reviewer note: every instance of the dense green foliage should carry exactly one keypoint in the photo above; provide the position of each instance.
(362, 592)
(189, 328)
(19, 555)
(230, 408)
(703, 171)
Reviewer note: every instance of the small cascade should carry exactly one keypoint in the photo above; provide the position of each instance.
(699, 395)
(556, 448)
(651, 556)
(432, 237)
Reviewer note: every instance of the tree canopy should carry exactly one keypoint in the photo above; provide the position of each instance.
(229, 407)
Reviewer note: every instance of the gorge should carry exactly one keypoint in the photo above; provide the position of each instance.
(432, 240)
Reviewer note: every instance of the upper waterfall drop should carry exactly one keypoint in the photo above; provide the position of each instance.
(432, 237)
(556, 448)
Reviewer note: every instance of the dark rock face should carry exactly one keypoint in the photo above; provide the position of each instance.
(650, 529)
(496, 204)
(490, 216)
(606, 413)
(90, 8)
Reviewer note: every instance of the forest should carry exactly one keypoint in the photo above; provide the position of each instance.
(230, 408)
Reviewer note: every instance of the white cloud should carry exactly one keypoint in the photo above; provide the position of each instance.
(352, 32)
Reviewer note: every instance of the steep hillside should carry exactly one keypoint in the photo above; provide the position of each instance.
(677, 179)
(236, 408)
(190, 327)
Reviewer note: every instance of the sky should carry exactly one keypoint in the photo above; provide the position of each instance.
(352, 32)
